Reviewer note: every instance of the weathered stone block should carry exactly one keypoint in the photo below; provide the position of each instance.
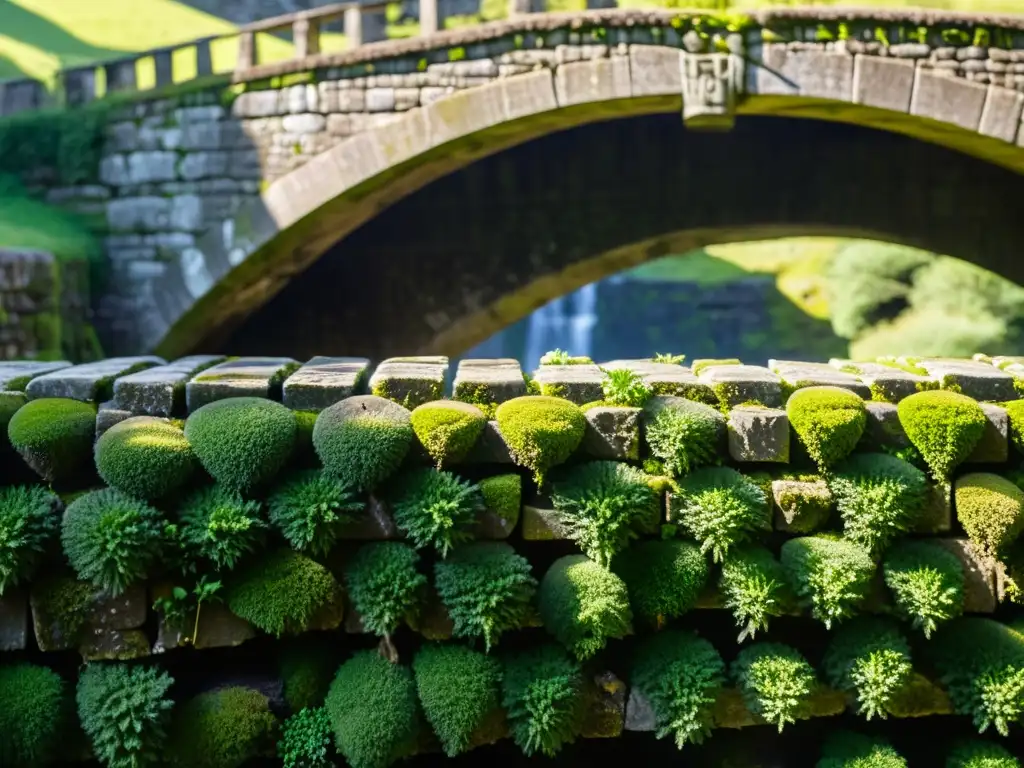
(639, 713)
(883, 428)
(885, 382)
(126, 611)
(152, 166)
(16, 375)
(948, 99)
(798, 375)
(114, 645)
(604, 716)
(994, 445)
(979, 575)
(491, 448)
(579, 383)
(107, 415)
(488, 382)
(218, 627)
(160, 391)
(612, 433)
(937, 516)
(432, 621)
(13, 619)
(919, 697)
(540, 523)
(886, 83)
(974, 379)
(667, 379)
(655, 71)
(737, 384)
(801, 506)
(410, 381)
(595, 80)
(243, 377)
(323, 381)
(758, 434)
(91, 382)
(376, 524)
(1001, 116)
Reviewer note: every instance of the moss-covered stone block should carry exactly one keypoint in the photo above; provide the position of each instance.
(613, 432)
(15, 375)
(980, 574)
(797, 375)
(579, 384)
(488, 383)
(605, 708)
(109, 415)
(540, 523)
(502, 495)
(13, 619)
(160, 391)
(410, 381)
(739, 384)
(323, 381)
(432, 620)
(240, 377)
(994, 445)
(114, 645)
(217, 628)
(667, 379)
(89, 382)
(758, 434)
(375, 523)
(801, 506)
(919, 697)
(978, 380)
(886, 383)
(732, 712)
(67, 613)
(640, 717)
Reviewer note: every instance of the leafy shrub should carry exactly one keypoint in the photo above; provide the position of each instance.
(111, 539)
(373, 710)
(721, 509)
(435, 508)
(681, 675)
(458, 688)
(926, 582)
(845, 749)
(683, 434)
(448, 429)
(991, 510)
(668, 359)
(664, 578)
(981, 664)
(311, 509)
(602, 504)
(281, 592)
(869, 658)
(953, 286)
(944, 426)
(830, 576)
(225, 728)
(33, 704)
(145, 457)
(384, 585)
(583, 605)
(931, 333)
(624, 387)
(306, 740)
(243, 442)
(542, 692)
(125, 712)
(541, 432)
(307, 664)
(218, 525)
(975, 753)
(54, 436)
(29, 521)
(487, 589)
(754, 586)
(776, 682)
(362, 440)
(503, 495)
(879, 497)
(829, 422)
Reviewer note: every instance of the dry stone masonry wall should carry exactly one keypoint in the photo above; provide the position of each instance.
(162, 508)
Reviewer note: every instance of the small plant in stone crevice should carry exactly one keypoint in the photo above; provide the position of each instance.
(435, 508)
(311, 509)
(667, 359)
(306, 740)
(870, 658)
(926, 582)
(180, 603)
(754, 585)
(624, 387)
(721, 509)
(776, 682)
(29, 524)
(830, 576)
(385, 585)
(561, 357)
(664, 578)
(683, 434)
(217, 525)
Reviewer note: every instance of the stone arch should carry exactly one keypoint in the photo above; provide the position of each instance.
(962, 131)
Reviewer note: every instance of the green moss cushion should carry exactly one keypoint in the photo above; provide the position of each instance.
(944, 427)
(683, 434)
(664, 578)
(926, 582)
(829, 422)
(145, 457)
(503, 495)
(54, 436)
(991, 510)
(448, 429)
(243, 442)
(226, 728)
(541, 432)
(846, 749)
(830, 576)
(29, 523)
(33, 705)
(975, 753)
(363, 440)
(542, 692)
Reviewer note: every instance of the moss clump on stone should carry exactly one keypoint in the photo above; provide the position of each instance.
(776, 682)
(683, 434)
(33, 709)
(991, 510)
(458, 689)
(29, 522)
(721, 509)
(307, 664)
(754, 587)
(503, 495)
(869, 658)
(542, 691)
(243, 442)
(664, 578)
(54, 436)
(448, 429)
(63, 602)
(385, 585)
(846, 749)
(829, 422)
(603, 505)
(362, 440)
(311, 508)
(975, 753)
(145, 457)
(487, 589)
(225, 728)
(307, 740)
(541, 432)
(583, 605)
(435, 508)
(700, 365)
(831, 577)
(218, 525)
(624, 387)
(926, 582)
(281, 592)
(681, 675)
(111, 539)
(879, 497)
(944, 426)
(373, 709)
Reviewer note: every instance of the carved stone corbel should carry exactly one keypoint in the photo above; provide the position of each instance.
(713, 84)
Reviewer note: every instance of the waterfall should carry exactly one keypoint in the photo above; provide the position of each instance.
(565, 323)
(583, 320)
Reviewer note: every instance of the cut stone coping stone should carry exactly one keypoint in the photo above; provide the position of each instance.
(241, 377)
(106, 615)
(972, 378)
(887, 382)
(666, 379)
(883, 428)
(801, 506)
(89, 382)
(486, 382)
(979, 575)
(758, 434)
(613, 433)
(579, 383)
(737, 384)
(798, 375)
(994, 445)
(13, 619)
(160, 391)
(410, 381)
(15, 376)
(323, 381)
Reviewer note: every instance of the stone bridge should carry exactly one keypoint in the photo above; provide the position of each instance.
(421, 194)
